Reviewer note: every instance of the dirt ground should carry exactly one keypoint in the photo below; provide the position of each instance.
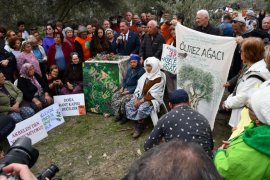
(92, 147)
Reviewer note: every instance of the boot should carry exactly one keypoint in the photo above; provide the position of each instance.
(139, 127)
(118, 118)
(124, 120)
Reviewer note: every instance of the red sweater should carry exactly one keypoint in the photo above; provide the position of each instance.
(66, 51)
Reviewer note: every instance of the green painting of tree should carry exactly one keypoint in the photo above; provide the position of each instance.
(198, 83)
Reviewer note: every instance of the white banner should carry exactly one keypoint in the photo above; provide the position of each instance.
(203, 67)
(32, 127)
(51, 117)
(71, 105)
(168, 58)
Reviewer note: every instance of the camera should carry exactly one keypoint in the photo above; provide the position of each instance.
(48, 173)
(21, 152)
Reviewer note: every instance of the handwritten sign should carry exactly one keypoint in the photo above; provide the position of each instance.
(169, 58)
(32, 127)
(51, 117)
(71, 105)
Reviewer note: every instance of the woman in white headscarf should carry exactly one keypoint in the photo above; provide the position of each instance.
(148, 95)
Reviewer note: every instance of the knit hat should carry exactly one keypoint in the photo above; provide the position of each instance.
(178, 96)
(134, 57)
(260, 104)
(82, 29)
(67, 29)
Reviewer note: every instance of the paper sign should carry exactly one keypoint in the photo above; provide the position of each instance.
(51, 117)
(32, 127)
(71, 105)
(169, 58)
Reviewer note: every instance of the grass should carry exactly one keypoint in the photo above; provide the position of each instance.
(92, 147)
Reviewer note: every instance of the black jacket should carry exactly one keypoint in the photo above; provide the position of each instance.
(11, 67)
(150, 48)
(28, 89)
(209, 29)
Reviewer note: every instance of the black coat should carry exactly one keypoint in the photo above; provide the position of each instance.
(150, 48)
(29, 89)
(9, 70)
(209, 29)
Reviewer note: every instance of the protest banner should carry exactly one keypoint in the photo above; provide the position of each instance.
(32, 127)
(202, 68)
(51, 117)
(169, 58)
(71, 105)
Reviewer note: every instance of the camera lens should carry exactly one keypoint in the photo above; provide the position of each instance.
(50, 171)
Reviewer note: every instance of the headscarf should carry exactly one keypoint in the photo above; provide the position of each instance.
(24, 73)
(260, 104)
(156, 66)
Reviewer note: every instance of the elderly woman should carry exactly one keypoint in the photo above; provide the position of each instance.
(248, 155)
(100, 44)
(59, 54)
(10, 101)
(27, 56)
(252, 53)
(39, 53)
(82, 44)
(73, 76)
(129, 85)
(147, 96)
(112, 41)
(69, 38)
(34, 89)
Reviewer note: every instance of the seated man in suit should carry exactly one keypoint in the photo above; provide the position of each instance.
(127, 42)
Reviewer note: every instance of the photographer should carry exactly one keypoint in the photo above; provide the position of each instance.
(20, 170)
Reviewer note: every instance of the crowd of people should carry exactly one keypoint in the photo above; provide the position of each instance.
(33, 69)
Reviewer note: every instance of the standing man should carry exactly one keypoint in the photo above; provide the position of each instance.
(127, 42)
(203, 25)
(183, 123)
(152, 43)
(129, 17)
(266, 24)
(143, 18)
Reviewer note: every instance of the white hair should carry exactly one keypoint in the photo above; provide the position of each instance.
(266, 18)
(204, 13)
(153, 22)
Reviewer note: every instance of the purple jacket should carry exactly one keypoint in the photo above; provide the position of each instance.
(47, 42)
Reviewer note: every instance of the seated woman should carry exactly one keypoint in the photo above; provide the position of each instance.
(252, 54)
(27, 56)
(34, 89)
(10, 101)
(147, 96)
(73, 76)
(100, 44)
(129, 85)
(55, 83)
(248, 155)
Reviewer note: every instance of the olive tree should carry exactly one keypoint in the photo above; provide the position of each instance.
(198, 83)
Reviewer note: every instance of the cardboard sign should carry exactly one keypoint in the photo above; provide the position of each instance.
(51, 117)
(32, 127)
(71, 105)
(169, 58)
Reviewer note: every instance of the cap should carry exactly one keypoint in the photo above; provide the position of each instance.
(178, 96)
(239, 20)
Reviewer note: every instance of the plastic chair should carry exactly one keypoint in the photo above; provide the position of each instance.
(154, 114)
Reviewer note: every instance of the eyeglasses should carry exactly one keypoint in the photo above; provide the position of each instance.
(49, 28)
